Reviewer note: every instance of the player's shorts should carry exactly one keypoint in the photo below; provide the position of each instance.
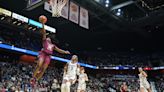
(72, 77)
(46, 58)
(65, 83)
(144, 85)
(81, 86)
(65, 79)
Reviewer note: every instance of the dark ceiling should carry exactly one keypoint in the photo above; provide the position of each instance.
(138, 26)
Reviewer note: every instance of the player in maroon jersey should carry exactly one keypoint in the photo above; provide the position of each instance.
(44, 56)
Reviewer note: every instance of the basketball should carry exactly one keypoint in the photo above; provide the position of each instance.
(43, 19)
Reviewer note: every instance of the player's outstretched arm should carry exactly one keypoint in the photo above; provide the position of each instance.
(43, 32)
(61, 51)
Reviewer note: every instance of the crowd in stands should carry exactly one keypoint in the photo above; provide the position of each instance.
(160, 83)
(117, 80)
(125, 59)
(16, 77)
(21, 39)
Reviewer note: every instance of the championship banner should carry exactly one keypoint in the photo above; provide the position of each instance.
(64, 12)
(47, 7)
(74, 13)
(84, 18)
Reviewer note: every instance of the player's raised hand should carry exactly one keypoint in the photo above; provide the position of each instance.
(67, 52)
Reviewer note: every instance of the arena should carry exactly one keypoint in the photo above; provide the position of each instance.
(81, 46)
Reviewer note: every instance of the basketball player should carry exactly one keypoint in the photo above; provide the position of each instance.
(144, 84)
(45, 54)
(71, 69)
(82, 80)
(124, 87)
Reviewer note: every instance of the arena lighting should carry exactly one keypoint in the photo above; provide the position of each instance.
(2, 18)
(19, 24)
(107, 1)
(4, 46)
(34, 29)
(29, 28)
(118, 13)
(106, 5)
(14, 22)
(119, 10)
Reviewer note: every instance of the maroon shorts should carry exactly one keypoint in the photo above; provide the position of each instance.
(46, 58)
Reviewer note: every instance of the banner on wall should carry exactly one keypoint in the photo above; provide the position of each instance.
(74, 13)
(64, 12)
(47, 7)
(84, 18)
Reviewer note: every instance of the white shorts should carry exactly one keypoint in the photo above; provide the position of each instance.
(145, 85)
(72, 77)
(81, 86)
(65, 78)
(66, 84)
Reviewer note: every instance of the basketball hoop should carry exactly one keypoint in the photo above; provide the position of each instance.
(57, 6)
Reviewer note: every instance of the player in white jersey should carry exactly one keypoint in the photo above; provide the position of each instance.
(82, 80)
(70, 76)
(144, 84)
(73, 69)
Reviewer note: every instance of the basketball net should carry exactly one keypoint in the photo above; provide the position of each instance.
(57, 6)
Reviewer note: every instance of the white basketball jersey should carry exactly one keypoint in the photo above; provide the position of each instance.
(143, 82)
(72, 68)
(142, 78)
(82, 78)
